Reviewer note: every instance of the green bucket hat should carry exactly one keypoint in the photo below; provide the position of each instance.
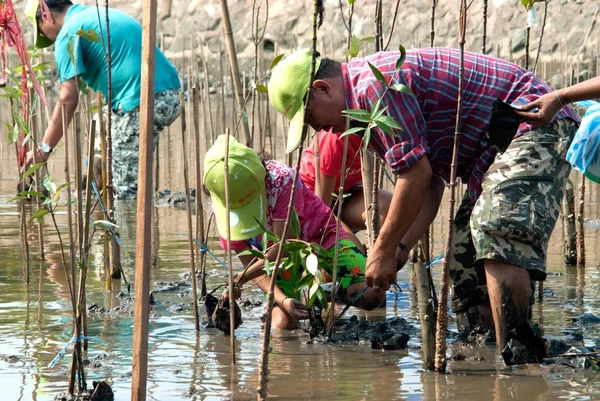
(31, 10)
(289, 83)
(247, 197)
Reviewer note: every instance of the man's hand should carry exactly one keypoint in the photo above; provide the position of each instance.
(40, 157)
(294, 308)
(547, 107)
(381, 268)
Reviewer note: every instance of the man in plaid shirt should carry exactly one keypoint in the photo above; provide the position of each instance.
(512, 199)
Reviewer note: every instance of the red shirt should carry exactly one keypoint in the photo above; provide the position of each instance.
(331, 153)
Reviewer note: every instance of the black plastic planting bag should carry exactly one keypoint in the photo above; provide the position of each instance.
(504, 125)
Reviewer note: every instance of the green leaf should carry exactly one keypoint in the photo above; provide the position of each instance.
(390, 122)
(33, 193)
(305, 282)
(93, 109)
(352, 131)
(376, 107)
(402, 88)
(267, 267)
(385, 128)
(104, 225)
(358, 117)
(293, 246)
(269, 234)
(32, 170)
(312, 264)
(367, 136)
(21, 122)
(400, 61)
(90, 35)
(39, 214)
(19, 197)
(13, 134)
(354, 47)
(313, 290)
(252, 252)
(356, 112)
(378, 74)
(49, 184)
(275, 61)
(320, 250)
(295, 224)
(379, 114)
(351, 1)
(260, 88)
(368, 39)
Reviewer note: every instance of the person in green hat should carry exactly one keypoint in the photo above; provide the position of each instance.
(82, 57)
(259, 195)
(514, 181)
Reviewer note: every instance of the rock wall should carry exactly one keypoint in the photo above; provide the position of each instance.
(571, 28)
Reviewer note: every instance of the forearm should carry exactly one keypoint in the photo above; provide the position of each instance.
(427, 213)
(585, 90)
(409, 196)
(326, 188)
(68, 97)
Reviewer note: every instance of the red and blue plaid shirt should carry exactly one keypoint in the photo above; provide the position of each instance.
(429, 119)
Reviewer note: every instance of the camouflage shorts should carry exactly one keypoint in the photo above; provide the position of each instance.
(514, 216)
(125, 142)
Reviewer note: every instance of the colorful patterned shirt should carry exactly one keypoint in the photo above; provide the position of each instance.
(317, 224)
(429, 118)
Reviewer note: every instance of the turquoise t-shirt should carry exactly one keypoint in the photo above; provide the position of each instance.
(78, 56)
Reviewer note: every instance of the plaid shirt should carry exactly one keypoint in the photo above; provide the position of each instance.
(429, 120)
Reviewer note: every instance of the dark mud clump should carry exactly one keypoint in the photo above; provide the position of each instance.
(390, 334)
(477, 336)
(525, 344)
(219, 311)
(587, 318)
(101, 391)
(172, 286)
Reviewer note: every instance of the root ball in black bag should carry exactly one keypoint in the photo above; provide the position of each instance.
(219, 311)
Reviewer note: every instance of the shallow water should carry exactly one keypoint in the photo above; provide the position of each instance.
(35, 324)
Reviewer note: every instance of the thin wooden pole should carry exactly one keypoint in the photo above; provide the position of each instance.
(570, 234)
(34, 130)
(442, 316)
(235, 69)
(580, 221)
(201, 260)
(188, 203)
(144, 206)
(229, 263)
(103, 151)
(426, 315)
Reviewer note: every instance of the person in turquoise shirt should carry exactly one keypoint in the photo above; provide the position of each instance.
(79, 56)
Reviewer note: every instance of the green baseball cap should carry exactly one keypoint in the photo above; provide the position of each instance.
(31, 10)
(288, 86)
(247, 197)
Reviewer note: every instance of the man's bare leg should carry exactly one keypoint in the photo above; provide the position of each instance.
(509, 290)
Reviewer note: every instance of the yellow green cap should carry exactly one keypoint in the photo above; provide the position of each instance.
(31, 9)
(289, 83)
(247, 197)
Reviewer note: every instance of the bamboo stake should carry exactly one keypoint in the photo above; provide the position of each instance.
(86, 229)
(103, 152)
(207, 91)
(432, 31)
(77, 345)
(144, 205)
(442, 315)
(201, 260)
(537, 55)
(235, 69)
(426, 315)
(367, 167)
(484, 35)
(263, 364)
(229, 263)
(570, 234)
(34, 129)
(580, 221)
(188, 203)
